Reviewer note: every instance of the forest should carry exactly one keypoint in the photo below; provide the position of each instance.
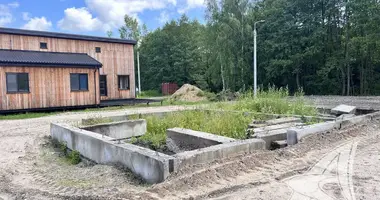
(325, 47)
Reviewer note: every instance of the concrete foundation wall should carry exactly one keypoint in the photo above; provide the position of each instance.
(218, 152)
(120, 130)
(152, 166)
(110, 118)
(272, 136)
(187, 139)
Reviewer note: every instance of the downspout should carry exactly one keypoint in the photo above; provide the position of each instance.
(95, 86)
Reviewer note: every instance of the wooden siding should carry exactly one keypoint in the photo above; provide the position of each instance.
(48, 87)
(117, 59)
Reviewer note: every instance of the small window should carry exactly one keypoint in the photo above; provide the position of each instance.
(123, 82)
(17, 82)
(43, 45)
(98, 50)
(79, 82)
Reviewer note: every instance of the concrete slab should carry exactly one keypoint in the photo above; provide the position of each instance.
(276, 127)
(286, 120)
(186, 139)
(343, 109)
(120, 130)
(217, 152)
(152, 166)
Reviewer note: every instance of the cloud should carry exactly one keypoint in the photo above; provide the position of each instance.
(14, 4)
(26, 16)
(79, 19)
(191, 4)
(38, 23)
(5, 15)
(164, 17)
(109, 13)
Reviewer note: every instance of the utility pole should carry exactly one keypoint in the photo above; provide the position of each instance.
(255, 58)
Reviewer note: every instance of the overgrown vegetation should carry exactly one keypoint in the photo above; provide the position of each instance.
(221, 123)
(271, 101)
(227, 118)
(73, 157)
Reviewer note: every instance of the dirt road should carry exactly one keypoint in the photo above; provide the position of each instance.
(338, 165)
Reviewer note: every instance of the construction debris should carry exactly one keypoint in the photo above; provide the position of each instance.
(343, 109)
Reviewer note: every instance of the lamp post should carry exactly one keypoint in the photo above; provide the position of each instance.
(255, 58)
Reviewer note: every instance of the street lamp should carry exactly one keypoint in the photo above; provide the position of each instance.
(255, 57)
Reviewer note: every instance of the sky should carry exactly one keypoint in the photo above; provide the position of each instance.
(93, 17)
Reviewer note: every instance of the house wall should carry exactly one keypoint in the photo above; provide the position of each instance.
(48, 87)
(117, 59)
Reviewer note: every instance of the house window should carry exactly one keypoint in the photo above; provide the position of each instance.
(123, 82)
(17, 82)
(79, 82)
(43, 45)
(98, 50)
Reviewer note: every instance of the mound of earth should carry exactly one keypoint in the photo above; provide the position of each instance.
(189, 93)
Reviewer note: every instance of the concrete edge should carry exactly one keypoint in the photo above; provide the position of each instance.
(218, 152)
(201, 135)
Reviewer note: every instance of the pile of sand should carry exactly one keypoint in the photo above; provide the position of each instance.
(189, 93)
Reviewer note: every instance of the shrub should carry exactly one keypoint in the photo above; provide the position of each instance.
(74, 157)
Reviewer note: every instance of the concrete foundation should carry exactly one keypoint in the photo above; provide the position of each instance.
(217, 152)
(152, 166)
(272, 136)
(109, 119)
(186, 139)
(120, 130)
(285, 120)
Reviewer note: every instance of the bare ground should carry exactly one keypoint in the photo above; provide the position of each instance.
(31, 169)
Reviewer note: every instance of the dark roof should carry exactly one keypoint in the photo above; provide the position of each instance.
(46, 59)
(64, 36)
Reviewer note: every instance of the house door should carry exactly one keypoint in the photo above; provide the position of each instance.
(103, 85)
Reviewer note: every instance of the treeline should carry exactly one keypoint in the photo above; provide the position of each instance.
(322, 46)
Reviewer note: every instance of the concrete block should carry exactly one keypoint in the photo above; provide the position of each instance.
(286, 120)
(291, 137)
(186, 139)
(120, 130)
(343, 109)
(271, 136)
(279, 144)
(153, 167)
(315, 128)
(276, 127)
(217, 152)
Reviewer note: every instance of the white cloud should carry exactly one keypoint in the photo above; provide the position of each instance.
(26, 16)
(38, 23)
(14, 4)
(191, 4)
(110, 13)
(79, 19)
(164, 17)
(5, 15)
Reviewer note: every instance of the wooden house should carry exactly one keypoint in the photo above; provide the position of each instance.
(46, 70)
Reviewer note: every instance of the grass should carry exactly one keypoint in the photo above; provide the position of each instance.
(26, 115)
(227, 124)
(93, 120)
(272, 101)
(149, 93)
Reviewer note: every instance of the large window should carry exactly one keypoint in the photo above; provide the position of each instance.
(17, 82)
(123, 82)
(79, 82)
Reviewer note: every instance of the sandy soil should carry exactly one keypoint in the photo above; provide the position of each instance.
(31, 169)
